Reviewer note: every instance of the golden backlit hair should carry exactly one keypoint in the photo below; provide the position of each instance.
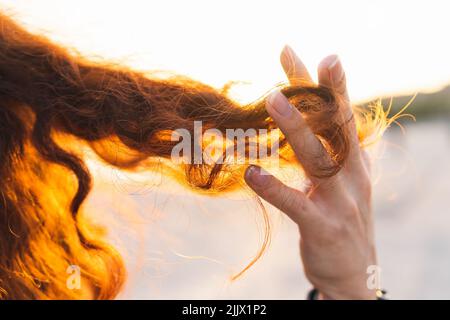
(48, 95)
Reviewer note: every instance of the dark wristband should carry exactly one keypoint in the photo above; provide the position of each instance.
(313, 294)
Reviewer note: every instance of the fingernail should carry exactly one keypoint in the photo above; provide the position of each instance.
(288, 50)
(287, 58)
(256, 176)
(279, 103)
(336, 71)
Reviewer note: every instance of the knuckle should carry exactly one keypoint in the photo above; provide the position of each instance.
(331, 184)
(335, 232)
(292, 130)
(296, 124)
(346, 223)
(286, 200)
(351, 211)
(271, 190)
(301, 205)
(295, 201)
(340, 231)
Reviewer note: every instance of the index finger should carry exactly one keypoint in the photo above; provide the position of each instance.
(307, 147)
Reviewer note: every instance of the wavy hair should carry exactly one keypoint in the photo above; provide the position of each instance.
(50, 96)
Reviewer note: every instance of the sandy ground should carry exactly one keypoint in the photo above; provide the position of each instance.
(188, 246)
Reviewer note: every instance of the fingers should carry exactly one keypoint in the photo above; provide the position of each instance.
(331, 74)
(294, 68)
(307, 147)
(291, 201)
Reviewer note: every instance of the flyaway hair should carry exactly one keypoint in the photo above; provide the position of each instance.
(50, 96)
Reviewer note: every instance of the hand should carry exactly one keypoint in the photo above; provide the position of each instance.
(335, 215)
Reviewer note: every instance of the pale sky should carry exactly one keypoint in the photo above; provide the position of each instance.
(387, 47)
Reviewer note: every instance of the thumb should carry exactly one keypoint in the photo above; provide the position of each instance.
(292, 202)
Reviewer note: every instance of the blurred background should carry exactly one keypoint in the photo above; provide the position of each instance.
(177, 244)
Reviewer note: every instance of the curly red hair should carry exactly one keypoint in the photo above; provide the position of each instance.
(48, 94)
